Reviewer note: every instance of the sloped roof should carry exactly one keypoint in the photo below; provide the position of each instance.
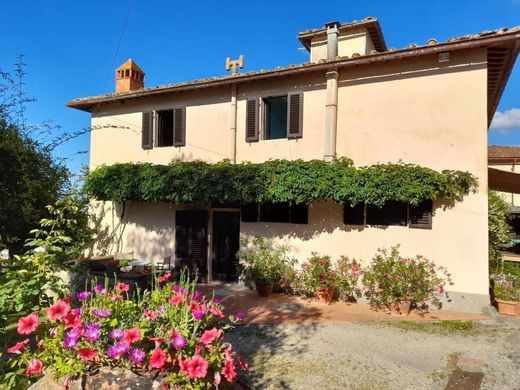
(503, 46)
(503, 181)
(130, 64)
(498, 153)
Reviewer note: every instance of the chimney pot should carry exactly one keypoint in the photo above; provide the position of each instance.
(129, 77)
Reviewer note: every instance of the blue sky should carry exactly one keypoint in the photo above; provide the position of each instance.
(71, 47)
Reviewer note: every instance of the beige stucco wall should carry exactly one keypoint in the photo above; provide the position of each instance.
(415, 111)
(355, 41)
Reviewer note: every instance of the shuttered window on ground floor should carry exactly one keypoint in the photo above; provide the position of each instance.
(275, 212)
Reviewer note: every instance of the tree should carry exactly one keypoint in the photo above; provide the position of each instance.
(499, 229)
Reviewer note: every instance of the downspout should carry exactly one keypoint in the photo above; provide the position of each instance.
(331, 116)
(233, 127)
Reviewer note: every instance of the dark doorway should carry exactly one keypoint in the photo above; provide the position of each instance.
(226, 242)
(191, 241)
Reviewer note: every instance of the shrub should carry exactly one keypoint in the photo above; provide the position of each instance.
(506, 287)
(263, 262)
(316, 274)
(499, 230)
(348, 277)
(166, 332)
(391, 279)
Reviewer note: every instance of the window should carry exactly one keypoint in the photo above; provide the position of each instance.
(392, 213)
(354, 215)
(281, 117)
(421, 215)
(275, 212)
(168, 126)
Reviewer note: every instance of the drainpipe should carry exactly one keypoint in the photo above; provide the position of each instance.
(233, 127)
(331, 116)
(332, 40)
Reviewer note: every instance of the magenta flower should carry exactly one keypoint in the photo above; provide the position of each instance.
(179, 342)
(74, 333)
(83, 295)
(92, 332)
(198, 314)
(70, 342)
(161, 309)
(76, 311)
(115, 334)
(176, 288)
(102, 313)
(100, 289)
(239, 315)
(117, 350)
(216, 300)
(197, 295)
(136, 355)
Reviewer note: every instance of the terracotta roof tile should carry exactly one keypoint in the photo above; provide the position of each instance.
(497, 151)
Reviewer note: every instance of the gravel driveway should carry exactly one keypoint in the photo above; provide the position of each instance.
(379, 355)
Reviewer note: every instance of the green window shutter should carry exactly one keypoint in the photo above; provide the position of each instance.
(295, 116)
(147, 131)
(252, 120)
(179, 127)
(421, 215)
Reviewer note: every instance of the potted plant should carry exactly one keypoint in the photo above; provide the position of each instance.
(173, 335)
(507, 294)
(319, 278)
(264, 264)
(396, 283)
(348, 278)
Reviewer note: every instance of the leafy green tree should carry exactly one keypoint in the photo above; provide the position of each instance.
(499, 229)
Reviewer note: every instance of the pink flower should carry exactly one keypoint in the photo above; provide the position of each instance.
(243, 365)
(122, 287)
(157, 358)
(72, 321)
(209, 336)
(151, 315)
(58, 311)
(441, 289)
(165, 277)
(18, 347)
(87, 354)
(216, 312)
(216, 378)
(35, 368)
(27, 325)
(131, 336)
(176, 299)
(229, 371)
(196, 367)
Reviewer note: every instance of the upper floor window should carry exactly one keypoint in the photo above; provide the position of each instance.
(164, 128)
(274, 117)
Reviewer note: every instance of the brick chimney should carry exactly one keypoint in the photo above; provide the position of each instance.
(129, 77)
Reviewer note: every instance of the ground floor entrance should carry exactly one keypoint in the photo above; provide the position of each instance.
(206, 241)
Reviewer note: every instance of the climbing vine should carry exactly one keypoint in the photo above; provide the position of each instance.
(277, 181)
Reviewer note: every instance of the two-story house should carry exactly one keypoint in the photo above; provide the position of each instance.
(428, 104)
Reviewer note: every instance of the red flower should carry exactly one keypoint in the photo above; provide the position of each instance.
(58, 311)
(35, 368)
(165, 277)
(176, 299)
(157, 359)
(122, 286)
(67, 299)
(229, 371)
(209, 336)
(216, 312)
(72, 321)
(18, 347)
(243, 365)
(114, 297)
(27, 325)
(87, 354)
(196, 367)
(131, 336)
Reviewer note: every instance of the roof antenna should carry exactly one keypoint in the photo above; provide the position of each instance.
(233, 65)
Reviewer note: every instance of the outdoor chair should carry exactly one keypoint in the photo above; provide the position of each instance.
(166, 265)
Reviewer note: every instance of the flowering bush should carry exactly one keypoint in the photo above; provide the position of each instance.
(317, 274)
(174, 331)
(348, 278)
(506, 287)
(391, 279)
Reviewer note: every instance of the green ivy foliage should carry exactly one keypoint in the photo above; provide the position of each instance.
(277, 181)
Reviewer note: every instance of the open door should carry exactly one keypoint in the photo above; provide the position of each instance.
(226, 243)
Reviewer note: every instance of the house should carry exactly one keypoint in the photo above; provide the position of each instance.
(428, 104)
(504, 177)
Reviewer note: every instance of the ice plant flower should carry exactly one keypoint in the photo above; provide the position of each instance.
(100, 289)
(18, 347)
(122, 287)
(196, 367)
(102, 313)
(35, 368)
(197, 295)
(131, 336)
(209, 336)
(27, 325)
(136, 355)
(240, 315)
(115, 334)
(216, 300)
(176, 288)
(92, 332)
(70, 342)
(157, 359)
(87, 354)
(75, 333)
(117, 350)
(83, 295)
(197, 314)
(179, 341)
(58, 311)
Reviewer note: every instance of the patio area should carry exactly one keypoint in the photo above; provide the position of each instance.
(289, 309)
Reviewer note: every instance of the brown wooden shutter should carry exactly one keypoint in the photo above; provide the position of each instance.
(252, 120)
(179, 127)
(421, 215)
(354, 215)
(147, 131)
(392, 213)
(295, 116)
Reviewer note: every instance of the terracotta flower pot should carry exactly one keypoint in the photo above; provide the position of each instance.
(325, 295)
(402, 308)
(509, 308)
(264, 289)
